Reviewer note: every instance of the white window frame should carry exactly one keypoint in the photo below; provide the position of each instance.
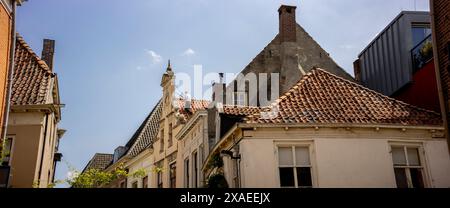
(407, 167)
(312, 160)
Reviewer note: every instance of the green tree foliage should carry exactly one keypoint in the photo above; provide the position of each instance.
(94, 178)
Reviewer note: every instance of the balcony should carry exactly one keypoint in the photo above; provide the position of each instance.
(422, 53)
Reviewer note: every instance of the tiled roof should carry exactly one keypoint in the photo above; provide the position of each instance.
(321, 97)
(31, 82)
(146, 133)
(100, 161)
(240, 110)
(196, 105)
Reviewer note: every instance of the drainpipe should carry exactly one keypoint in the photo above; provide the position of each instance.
(43, 148)
(10, 71)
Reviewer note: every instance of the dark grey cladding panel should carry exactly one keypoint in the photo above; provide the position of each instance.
(386, 61)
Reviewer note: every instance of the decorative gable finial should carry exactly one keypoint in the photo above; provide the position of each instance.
(169, 68)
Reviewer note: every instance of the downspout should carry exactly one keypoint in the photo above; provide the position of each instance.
(43, 148)
(54, 161)
(10, 72)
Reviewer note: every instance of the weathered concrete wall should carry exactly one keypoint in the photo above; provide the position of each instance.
(28, 130)
(292, 60)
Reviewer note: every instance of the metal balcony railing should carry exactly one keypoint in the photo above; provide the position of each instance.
(422, 53)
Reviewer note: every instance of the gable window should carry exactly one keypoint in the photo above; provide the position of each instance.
(408, 168)
(173, 175)
(134, 185)
(145, 182)
(294, 167)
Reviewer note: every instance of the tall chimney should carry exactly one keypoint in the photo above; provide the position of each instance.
(287, 23)
(218, 94)
(48, 50)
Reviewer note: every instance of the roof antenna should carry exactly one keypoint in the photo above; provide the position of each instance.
(415, 5)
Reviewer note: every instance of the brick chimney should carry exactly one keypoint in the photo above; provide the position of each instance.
(48, 50)
(287, 23)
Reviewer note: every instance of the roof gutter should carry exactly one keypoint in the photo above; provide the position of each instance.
(334, 125)
(10, 71)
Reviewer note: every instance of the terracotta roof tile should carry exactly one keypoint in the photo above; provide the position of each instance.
(31, 81)
(321, 97)
(196, 105)
(240, 110)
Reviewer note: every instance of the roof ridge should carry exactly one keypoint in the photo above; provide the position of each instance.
(39, 61)
(97, 153)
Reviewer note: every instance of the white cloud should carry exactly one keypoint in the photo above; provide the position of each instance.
(189, 52)
(156, 58)
(139, 68)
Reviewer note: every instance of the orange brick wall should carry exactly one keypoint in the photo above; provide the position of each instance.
(5, 37)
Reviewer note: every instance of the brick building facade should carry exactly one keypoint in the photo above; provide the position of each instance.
(440, 14)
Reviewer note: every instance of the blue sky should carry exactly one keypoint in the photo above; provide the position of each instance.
(110, 55)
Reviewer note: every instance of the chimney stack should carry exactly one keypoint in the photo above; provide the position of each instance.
(287, 23)
(48, 50)
(218, 94)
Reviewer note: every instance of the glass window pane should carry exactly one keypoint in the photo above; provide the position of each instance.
(285, 156)
(400, 178)
(302, 156)
(304, 177)
(398, 156)
(416, 177)
(413, 156)
(419, 33)
(287, 177)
